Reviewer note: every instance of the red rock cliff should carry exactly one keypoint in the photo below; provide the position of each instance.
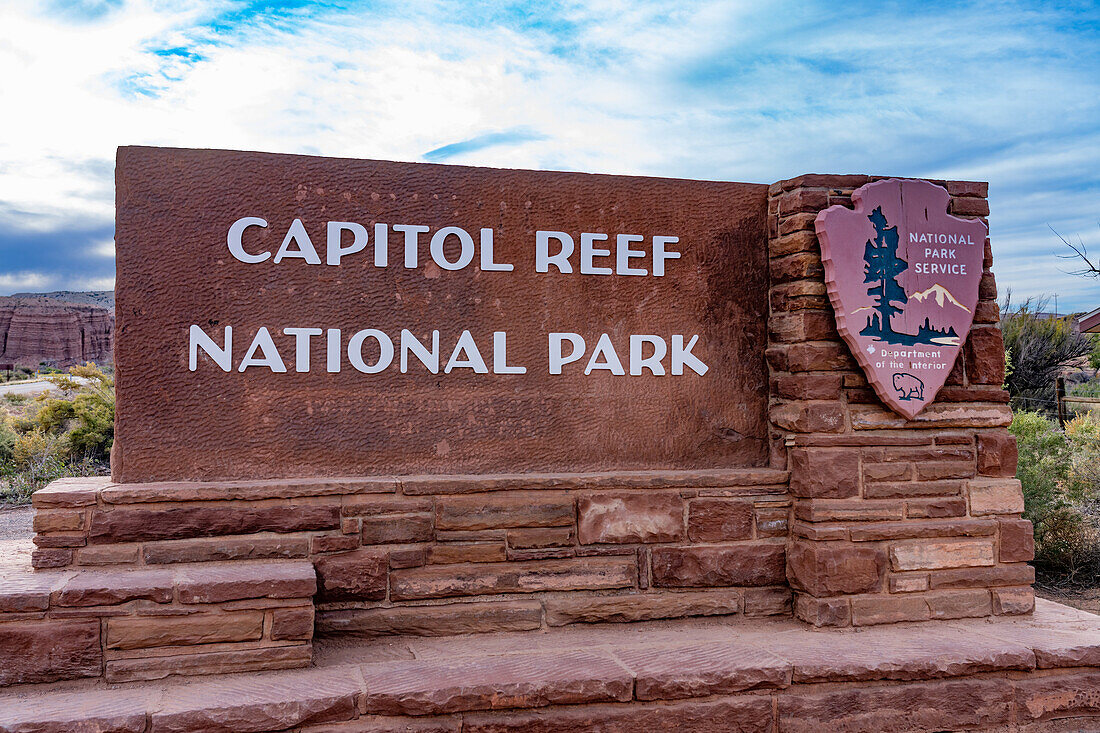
(38, 329)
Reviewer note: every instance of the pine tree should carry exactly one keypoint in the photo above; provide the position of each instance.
(882, 266)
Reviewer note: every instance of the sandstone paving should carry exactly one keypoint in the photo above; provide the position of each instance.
(646, 676)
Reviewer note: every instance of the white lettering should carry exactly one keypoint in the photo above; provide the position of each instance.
(557, 360)
(653, 362)
(336, 230)
(487, 264)
(543, 258)
(305, 251)
(222, 355)
(412, 242)
(465, 240)
(430, 359)
(588, 253)
(301, 346)
(611, 361)
(269, 355)
(682, 356)
(660, 254)
(472, 358)
(385, 351)
(236, 233)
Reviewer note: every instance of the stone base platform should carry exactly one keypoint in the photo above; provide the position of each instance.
(1039, 673)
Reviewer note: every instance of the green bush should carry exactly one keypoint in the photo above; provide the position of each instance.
(1059, 474)
(1038, 348)
(67, 431)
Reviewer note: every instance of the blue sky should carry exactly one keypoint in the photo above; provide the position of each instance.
(747, 91)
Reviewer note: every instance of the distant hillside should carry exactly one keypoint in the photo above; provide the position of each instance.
(102, 298)
(57, 329)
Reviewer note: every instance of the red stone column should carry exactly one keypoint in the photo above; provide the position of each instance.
(893, 520)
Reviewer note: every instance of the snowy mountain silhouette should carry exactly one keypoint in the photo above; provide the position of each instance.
(940, 295)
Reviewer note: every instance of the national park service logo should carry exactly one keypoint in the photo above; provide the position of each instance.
(902, 275)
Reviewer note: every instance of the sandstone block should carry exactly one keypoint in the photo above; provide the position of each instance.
(445, 620)
(141, 632)
(997, 455)
(884, 609)
(908, 583)
(719, 565)
(821, 612)
(514, 509)
(817, 510)
(809, 417)
(741, 714)
(985, 356)
(484, 683)
(370, 504)
(292, 623)
(537, 538)
(960, 604)
(220, 583)
(251, 704)
(984, 577)
(720, 520)
(397, 529)
(1013, 601)
(935, 508)
(108, 555)
(936, 415)
(935, 555)
(442, 581)
(995, 496)
(458, 552)
(874, 531)
(70, 492)
(58, 520)
(639, 607)
(931, 471)
(111, 587)
(819, 357)
(1017, 540)
(225, 548)
(333, 543)
(824, 473)
(830, 569)
(904, 490)
(46, 651)
(137, 525)
(809, 386)
(629, 518)
(767, 601)
(206, 663)
(920, 706)
(43, 558)
(772, 522)
(886, 471)
(700, 670)
(358, 575)
(1043, 698)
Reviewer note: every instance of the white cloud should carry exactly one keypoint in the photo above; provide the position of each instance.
(11, 282)
(706, 89)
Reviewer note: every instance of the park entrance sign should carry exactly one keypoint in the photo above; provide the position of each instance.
(389, 399)
(330, 317)
(902, 275)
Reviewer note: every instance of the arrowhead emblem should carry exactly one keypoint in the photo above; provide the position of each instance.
(902, 275)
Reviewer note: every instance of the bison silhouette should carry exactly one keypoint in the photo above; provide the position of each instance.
(908, 386)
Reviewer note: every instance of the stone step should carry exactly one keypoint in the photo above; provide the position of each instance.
(760, 675)
(132, 624)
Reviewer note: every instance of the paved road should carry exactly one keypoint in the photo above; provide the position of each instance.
(28, 388)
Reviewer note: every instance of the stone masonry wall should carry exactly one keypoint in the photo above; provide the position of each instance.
(892, 520)
(454, 554)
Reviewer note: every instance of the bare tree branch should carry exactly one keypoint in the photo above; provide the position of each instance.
(1080, 252)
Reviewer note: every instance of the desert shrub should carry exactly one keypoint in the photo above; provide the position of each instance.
(1058, 474)
(1094, 355)
(1038, 347)
(83, 418)
(31, 449)
(65, 432)
(8, 436)
(16, 399)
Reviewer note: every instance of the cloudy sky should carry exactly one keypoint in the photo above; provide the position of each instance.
(734, 90)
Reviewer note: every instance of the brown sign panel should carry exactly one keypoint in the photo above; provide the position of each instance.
(290, 316)
(903, 276)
